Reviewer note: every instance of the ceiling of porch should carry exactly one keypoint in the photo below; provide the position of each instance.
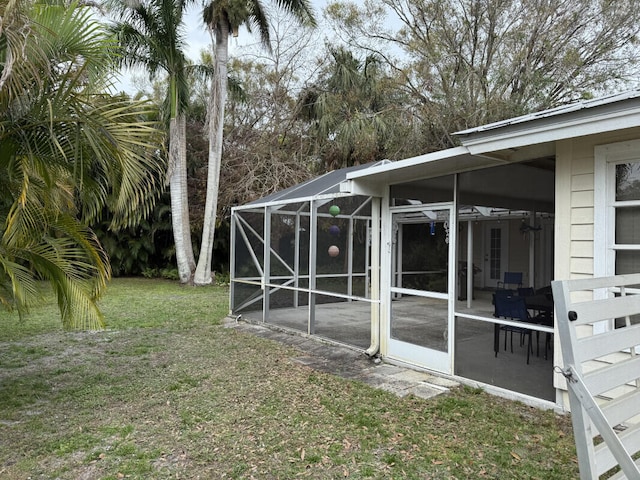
(523, 186)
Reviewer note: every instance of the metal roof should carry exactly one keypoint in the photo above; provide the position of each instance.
(552, 112)
(324, 184)
(589, 117)
(432, 164)
(561, 110)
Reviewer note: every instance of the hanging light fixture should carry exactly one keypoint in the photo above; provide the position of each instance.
(526, 228)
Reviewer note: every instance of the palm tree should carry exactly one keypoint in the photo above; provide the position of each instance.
(349, 108)
(150, 34)
(67, 151)
(223, 18)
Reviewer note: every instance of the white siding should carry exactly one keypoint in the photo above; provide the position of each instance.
(575, 168)
(581, 249)
(582, 198)
(574, 241)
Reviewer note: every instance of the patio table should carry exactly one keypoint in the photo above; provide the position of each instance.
(543, 304)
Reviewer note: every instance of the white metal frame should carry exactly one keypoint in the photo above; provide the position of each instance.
(407, 352)
(291, 282)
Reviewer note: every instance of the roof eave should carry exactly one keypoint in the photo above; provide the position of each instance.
(574, 123)
(444, 162)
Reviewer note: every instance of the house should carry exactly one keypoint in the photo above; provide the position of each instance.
(401, 259)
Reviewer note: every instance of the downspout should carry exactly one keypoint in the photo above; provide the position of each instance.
(374, 348)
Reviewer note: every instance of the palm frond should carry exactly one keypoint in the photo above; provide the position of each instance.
(16, 49)
(72, 38)
(67, 152)
(258, 18)
(40, 243)
(18, 287)
(301, 9)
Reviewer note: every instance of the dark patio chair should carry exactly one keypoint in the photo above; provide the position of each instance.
(526, 292)
(512, 307)
(541, 303)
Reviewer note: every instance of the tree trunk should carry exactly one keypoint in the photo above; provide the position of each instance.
(179, 198)
(215, 112)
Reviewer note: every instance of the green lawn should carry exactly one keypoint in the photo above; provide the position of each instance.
(167, 392)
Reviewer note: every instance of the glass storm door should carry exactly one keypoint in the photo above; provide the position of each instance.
(422, 287)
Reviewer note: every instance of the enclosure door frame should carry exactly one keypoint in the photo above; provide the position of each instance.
(408, 352)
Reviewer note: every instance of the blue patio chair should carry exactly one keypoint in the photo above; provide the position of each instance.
(511, 278)
(512, 307)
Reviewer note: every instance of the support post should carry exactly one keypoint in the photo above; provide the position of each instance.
(232, 263)
(469, 285)
(296, 259)
(375, 277)
(350, 258)
(532, 251)
(313, 247)
(266, 276)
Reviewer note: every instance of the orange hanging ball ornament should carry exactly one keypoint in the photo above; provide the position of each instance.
(334, 251)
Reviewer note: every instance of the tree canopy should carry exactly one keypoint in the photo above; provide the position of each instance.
(465, 63)
(390, 79)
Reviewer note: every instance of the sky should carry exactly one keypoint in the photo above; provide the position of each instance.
(198, 39)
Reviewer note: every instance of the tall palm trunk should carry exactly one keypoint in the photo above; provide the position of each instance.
(179, 198)
(216, 122)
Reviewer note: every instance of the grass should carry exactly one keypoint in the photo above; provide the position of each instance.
(167, 392)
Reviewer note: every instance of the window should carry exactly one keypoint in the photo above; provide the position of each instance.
(495, 255)
(617, 213)
(617, 209)
(627, 217)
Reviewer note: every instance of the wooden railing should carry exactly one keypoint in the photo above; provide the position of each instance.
(599, 339)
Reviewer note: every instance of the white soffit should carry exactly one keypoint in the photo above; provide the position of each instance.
(444, 162)
(606, 114)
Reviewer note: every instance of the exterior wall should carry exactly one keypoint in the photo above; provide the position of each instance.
(575, 167)
(573, 227)
(574, 220)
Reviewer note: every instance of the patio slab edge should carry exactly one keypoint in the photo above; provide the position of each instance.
(349, 362)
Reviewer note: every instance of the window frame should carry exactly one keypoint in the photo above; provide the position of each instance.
(605, 204)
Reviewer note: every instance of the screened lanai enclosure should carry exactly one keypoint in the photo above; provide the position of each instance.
(408, 267)
(301, 255)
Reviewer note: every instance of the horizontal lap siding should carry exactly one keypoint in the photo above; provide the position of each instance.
(574, 253)
(581, 216)
(582, 198)
(581, 249)
(575, 201)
